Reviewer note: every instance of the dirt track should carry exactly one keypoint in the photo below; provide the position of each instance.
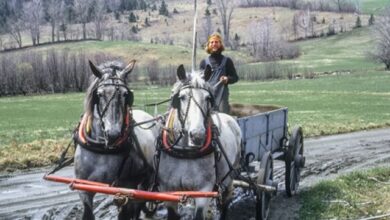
(27, 196)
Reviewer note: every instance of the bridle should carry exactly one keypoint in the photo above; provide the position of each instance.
(117, 83)
(183, 117)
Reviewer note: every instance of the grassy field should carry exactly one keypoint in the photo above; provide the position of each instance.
(348, 93)
(354, 196)
(373, 6)
(36, 125)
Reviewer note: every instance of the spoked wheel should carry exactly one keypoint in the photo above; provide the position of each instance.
(265, 177)
(295, 161)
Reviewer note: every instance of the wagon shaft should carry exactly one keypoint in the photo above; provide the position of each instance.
(97, 187)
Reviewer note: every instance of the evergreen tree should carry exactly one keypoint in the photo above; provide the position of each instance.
(132, 18)
(207, 12)
(358, 23)
(236, 37)
(209, 2)
(142, 5)
(117, 15)
(371, 20)
(147, 24)
(163, 9)
(134, 29)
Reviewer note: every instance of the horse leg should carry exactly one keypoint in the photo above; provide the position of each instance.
(87, 200)
(172, 214)
(131, 210)
(201, 208)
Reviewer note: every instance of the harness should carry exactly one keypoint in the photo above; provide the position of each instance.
(170, 139)
(100, 144)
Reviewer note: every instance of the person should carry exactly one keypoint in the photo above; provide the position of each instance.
(224, 72)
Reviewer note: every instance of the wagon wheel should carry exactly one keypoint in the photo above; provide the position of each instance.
(265, 177)
(294, 161)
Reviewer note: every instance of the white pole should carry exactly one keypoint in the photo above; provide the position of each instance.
(194, 37)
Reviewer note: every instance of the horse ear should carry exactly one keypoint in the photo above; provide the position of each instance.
(181, 73)
(95, 70)
(207, 73)
(123, 74)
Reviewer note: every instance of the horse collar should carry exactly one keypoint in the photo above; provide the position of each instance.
(82, 136)
(169, 141)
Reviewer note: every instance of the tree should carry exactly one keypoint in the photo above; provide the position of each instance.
(266, 42)
(303, 21)
(358, 23)
(207, 29)
(381, 32)
(225, 9)
(54, 12)
(132, 17)
(32, 16)
(371, 20)
(82, 9)
(147, 24)
(14, 27)
(163, 10)
(99, 18)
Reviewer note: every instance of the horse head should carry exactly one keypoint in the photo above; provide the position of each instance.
(108, 102)
(193, 102)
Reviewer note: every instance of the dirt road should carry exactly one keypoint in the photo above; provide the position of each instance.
(26, 196)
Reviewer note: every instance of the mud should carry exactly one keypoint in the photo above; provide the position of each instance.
(25, 195)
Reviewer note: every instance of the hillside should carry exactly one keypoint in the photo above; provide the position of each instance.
(176, 30)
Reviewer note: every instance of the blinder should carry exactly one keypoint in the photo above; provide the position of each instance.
(175, 103)
(129, 99)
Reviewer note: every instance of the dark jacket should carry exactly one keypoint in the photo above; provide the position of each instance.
(221, 66)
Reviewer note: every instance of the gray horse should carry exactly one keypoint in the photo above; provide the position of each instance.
(111, 148)
(190, 159)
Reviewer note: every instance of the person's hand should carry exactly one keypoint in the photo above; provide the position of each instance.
(224, 79)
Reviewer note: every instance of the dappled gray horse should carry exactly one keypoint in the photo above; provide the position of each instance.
(110, 147)
(192, 143)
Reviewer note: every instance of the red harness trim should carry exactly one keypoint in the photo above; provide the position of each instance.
(168, 145)
(84, 121)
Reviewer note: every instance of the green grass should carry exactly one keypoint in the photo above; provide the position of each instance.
(354, 196)
(373, 6)
(343, 52)
(326, 105)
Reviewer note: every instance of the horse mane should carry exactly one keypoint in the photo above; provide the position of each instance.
(109, 68)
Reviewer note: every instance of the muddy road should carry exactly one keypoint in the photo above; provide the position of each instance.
(27, 196)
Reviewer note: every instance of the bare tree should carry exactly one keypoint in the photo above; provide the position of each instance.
(207, 29)
(14, 28)
(32, 16)
(82, 9)
(225, 9)
(303, 22)
(113, 5)
(99, 18)
(266, 42)
(381, 31)
(55, 9)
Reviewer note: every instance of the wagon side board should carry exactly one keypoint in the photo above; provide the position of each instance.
(264, 132)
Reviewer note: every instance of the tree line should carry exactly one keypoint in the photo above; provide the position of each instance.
(61, 71)
(19, 16)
